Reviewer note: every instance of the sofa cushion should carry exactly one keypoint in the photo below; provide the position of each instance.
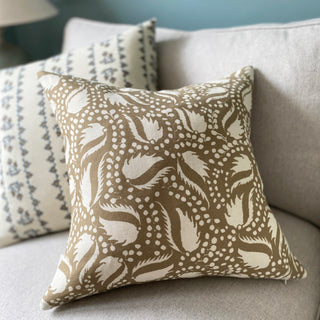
(286, 116)
(23, 280)
(33, 180)
(164, 185)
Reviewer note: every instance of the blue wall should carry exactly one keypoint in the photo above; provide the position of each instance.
(43, 39)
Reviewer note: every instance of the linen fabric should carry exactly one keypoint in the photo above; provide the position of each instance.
(33, 179)
(207, 298)
(164, 185)
(286, 113)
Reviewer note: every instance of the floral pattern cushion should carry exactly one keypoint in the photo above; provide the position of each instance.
(164, 185)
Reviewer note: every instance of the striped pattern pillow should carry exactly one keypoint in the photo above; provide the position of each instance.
(34, 195)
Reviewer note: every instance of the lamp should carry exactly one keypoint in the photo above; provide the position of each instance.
(15, 12)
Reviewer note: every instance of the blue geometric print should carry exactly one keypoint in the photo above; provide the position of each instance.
(44, 124)
(24, 152)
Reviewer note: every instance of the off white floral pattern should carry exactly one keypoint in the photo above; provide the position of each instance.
(165, 186)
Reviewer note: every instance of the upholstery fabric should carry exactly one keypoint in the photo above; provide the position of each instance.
(211, 298)
(286, 114)
(33, 180)
(164, 185)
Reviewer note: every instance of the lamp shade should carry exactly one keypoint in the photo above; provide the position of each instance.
(13, 12)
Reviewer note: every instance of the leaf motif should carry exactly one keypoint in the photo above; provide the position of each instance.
(228, 115)
(82, 247)
(255, 252)
(145, 263)
(234, 213)
(59, 282)
(192, 121)
(256, 239)
(77, 100)
(195, 163)
(100, 178)
(134, 130)
(93, 149)
(197, 121)
(145, 129)
(111, 271)
(152, 269)
(189, 233)
(121, 223)
(121, 209)
(120, 231)
(249, 209)
(168, 228)
(144, 171)
(255, 260)
(236, 129)
(217, 92)
(242, 172)
(275, 231)
(152, 129)
(193, 185)
(92, 132)
(115, 99)
(241, 163)
(155, 180)
(89, 263)
(273, 226)
(153, 275)
(137, 166)
(239, 211)
(232, 124)
(187, 240)
(85, 187)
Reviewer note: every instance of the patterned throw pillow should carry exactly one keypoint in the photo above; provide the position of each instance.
(34, 188)
(164, 185)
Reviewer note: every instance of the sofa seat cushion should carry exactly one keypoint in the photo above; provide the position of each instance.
(27, 266)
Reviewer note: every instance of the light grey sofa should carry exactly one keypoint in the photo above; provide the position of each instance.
(286, 138)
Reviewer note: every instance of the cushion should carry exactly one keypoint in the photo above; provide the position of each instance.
(285, 123)
(34, 188)
(164, 185)
(213, 298)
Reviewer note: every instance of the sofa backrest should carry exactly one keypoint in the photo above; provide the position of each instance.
(286, 106)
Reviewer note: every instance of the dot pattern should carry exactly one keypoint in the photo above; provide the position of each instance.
(164, 185)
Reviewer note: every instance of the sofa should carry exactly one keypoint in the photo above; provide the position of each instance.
(285, 136)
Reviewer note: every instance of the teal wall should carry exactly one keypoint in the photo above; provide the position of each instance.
(43, 39)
